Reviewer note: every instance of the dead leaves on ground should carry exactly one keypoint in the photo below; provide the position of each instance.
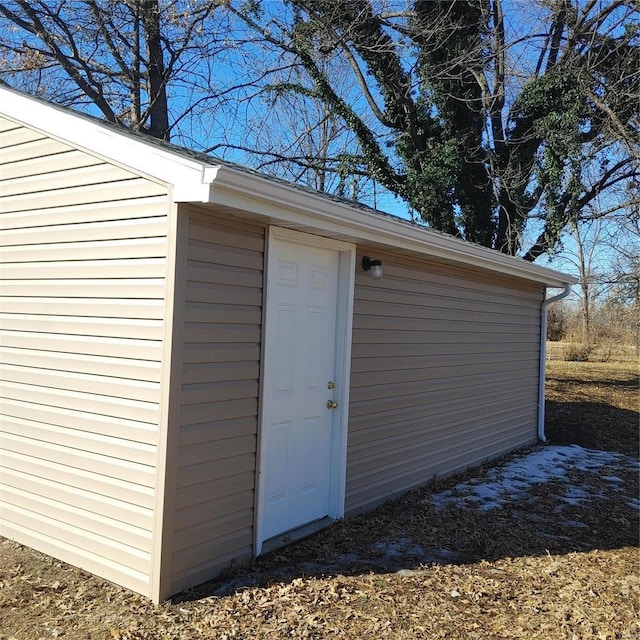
(510, 581)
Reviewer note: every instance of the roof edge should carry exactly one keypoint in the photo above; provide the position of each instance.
(252, 193)
(199, 179)
(106, 140)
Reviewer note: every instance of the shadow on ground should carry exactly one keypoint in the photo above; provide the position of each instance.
(409, 535)
(594, 410)
(632, 382)
(573, 423)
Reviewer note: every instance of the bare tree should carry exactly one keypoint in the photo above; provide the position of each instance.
(479, 120)
(492, 122)
(624, 277)
(128, 60)
(604, 252)
(588, 242)
(290, 134)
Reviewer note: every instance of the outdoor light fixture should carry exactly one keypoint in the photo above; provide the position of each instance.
(375, 266)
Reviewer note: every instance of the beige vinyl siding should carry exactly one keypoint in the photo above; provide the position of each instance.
(82, 285)
(444, 374)
(219, 403)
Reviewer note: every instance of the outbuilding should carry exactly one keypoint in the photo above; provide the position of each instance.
(194, 360)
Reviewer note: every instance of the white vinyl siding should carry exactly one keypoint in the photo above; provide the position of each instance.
(219, 399)
(82, 283)
(444, 374)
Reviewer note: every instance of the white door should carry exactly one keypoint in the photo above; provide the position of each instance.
(299, 379)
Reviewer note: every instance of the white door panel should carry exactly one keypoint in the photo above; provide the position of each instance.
(300, 361)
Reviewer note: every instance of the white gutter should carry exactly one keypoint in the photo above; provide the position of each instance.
(543, 357)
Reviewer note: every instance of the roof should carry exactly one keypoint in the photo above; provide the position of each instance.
(200, 178)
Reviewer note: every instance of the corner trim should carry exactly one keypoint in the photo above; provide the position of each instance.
(168, 436)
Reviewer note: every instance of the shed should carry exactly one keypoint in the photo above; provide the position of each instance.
(193, 361)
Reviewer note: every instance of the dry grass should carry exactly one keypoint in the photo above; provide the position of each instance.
(594, 404)
(405, 570)
(603, 351)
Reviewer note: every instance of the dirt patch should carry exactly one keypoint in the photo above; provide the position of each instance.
(553, 559)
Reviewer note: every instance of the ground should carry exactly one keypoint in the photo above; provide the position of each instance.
(540, 544)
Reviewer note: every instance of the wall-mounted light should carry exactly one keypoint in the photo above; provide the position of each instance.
(375, 266)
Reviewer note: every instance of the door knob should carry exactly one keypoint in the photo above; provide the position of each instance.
(331, 404)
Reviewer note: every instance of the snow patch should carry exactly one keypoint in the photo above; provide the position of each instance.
(634, 503)
(513, 481)
(401, 548)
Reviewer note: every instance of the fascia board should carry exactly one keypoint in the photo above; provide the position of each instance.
(248, 192)
(184, 174)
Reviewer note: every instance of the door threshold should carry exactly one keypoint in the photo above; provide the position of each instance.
(306, 530)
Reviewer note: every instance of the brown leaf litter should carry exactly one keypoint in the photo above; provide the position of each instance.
(485, 554)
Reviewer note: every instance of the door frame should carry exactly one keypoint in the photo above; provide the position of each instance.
(344, 326)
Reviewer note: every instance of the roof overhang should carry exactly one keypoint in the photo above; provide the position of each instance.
(197, 181)
(154, 161)
(288, 205)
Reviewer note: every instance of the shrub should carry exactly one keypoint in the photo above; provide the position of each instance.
(578, 352)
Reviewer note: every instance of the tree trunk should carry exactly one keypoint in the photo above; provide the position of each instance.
(584, 269)
(158, 108)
